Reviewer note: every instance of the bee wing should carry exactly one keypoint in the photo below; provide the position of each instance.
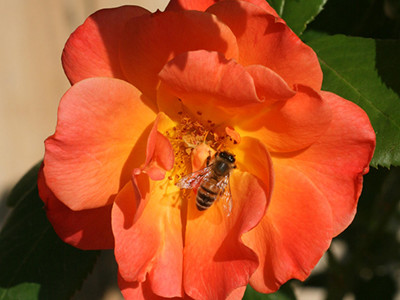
(225, 196)
(194, 179)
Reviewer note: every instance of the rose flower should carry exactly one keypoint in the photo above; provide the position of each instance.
(203, 87)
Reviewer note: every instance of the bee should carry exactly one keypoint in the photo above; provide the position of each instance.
(212, 182)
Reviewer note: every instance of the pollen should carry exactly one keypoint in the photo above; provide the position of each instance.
(188, 134)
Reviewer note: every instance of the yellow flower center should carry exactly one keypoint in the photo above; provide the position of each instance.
(186, 137)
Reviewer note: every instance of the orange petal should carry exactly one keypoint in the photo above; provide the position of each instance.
(86, 229)
(92, 50)
(254, 158)
(215, 260)
(142, 291)
(269, 85)
(235, 136)
(209, 74)
(237, 294)
(151, 41)
(199, 156)
(149, 248)
(265, 40)
(294, 233)
(289, 125)
(159, 159)
(209, 87)
(159, 152)
(336, 162)
(202, 5)
(97, 143)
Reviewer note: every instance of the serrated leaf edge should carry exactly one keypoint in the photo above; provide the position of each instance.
(361, 95)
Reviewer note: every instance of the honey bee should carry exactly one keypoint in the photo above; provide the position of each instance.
(212, 182)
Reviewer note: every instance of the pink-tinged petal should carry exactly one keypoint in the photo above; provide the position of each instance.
(159, 159)
(264, 40)
(202, 5)
(336, 162)
(99, 139)
(86, 229)
(237, 294)
(269, 85)
(159, 152)
(289, 125)
(150, 248)
(93, 49)
(294, 233)
(142, 291)
(215, 260)
(235, 136)
(209, 75)
(199, 156)
(210, 88)
(151, 41)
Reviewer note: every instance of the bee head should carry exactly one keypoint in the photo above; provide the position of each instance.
(227, 156)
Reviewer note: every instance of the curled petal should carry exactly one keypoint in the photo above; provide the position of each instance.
(216, 262)
(265, 40)
(86, 229)
(208, 74)
(290, 125)
(253, 157)
(336, 162)
(159, 152)
(237, 294)
(294, 233)
(93, 49)
(200, 155)
(147, 247)
(159, 159)
(139, 291)
(142, 291)
(235, 136)
(98, 141)
(151, 41)
(269, 85)
(209, 87)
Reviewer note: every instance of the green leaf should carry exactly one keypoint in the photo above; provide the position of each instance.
(278, 5)
(34, 262)
(284, 293)
(366, 71)
(298, 13)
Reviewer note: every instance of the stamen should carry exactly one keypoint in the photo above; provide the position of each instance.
(187, 136)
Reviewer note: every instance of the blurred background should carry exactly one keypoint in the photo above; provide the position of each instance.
(363, 262)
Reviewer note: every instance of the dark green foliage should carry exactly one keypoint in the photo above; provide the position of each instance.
(34, 262)
(358, 69)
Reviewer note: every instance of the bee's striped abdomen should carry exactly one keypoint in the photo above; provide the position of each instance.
(206, 194)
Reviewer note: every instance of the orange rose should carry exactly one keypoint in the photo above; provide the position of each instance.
(152, 96)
